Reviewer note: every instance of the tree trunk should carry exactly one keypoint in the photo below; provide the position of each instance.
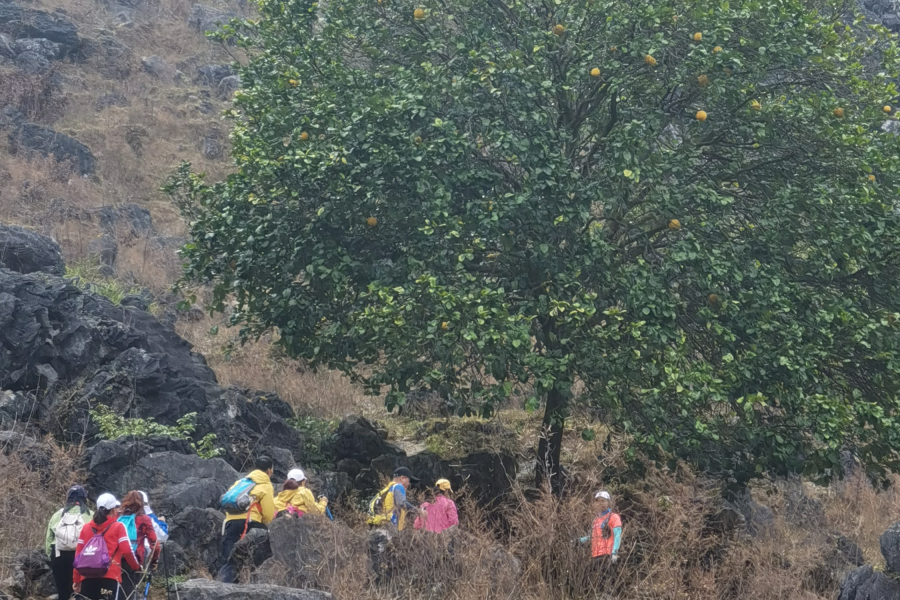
(548, 468)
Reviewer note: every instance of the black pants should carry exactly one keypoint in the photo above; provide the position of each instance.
(130, 580)
(101, 589)
(233, 531)
(62, 571)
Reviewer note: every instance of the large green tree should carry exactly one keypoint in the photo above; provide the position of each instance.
(685, 211)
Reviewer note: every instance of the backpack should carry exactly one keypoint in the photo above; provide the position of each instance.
(131, 528)
(237, 500)
(67, 531)
(376, 505)
(94, 560)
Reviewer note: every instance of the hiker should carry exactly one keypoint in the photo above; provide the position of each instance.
(248, 504)
(160, 527)
(390, 505)
(62, 538)
(297, 499)
(441, 514)
(606, 532)
(103, 547)
(142, 535)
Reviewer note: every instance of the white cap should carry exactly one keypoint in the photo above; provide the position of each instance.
(144, 496)
(107, 501)
(297, 475)
(602, 494)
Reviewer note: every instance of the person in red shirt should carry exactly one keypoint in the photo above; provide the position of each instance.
(108, 587)
(140, 530)
(606, 531)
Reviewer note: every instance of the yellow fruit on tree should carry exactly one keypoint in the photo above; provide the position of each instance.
(419, 13)
(701, 115)
(713, 299)
(872, 178)
(304, 136)
(445, 326)
(293, 82)
(755, 105)
(887, 109)
(717, 49)
(650, 60)
(838, 112)
(674, 224)
(559, 29)
(703, 80)
(595, 72)
(371, 221)
(418, 140)
(698, 36)
(614, 48)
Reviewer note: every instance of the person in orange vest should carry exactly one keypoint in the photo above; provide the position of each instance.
(606, 532)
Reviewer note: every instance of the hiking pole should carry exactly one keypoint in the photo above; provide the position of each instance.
(328, 514)
(165, 557)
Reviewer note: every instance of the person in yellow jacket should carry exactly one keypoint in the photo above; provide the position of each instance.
(296, 498)
(261, 513)
(390, 506)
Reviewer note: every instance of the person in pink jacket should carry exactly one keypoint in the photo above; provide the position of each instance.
(441, 514)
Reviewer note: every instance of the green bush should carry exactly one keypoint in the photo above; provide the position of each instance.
(113, 426)
(87, 275)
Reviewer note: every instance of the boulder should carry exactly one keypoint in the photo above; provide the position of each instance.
(17, 408)
(105, 249)
(755, 519)
(296, 543)
(205, 18)
(865, 583)
(204, 589)
(174, 481)
(800, 509)
(32, 63)
(44, 47)
(35, 139)
(133, 217)
(251, 551)
(111, 99)
(890, 547)
(173, 560)
(18, 22)
(228, 86)
(332, 485)
(25, 251)
(211, 75)
(30, 576)
(198, 531)
(356, 438)
(157, 67)
(108, 56)
(212, 147)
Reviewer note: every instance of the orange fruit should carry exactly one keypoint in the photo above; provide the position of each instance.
(371, 221)
(304, 136)
(755, 105)
(887, 109)
(559, 29)
(595, 72)
(614, 48)
(838, 112)
(674, 224)
(445, 326)
(872, 178)
(698, 36)
(419, 13)
(703, 80)
(713, 299)
(701, 115)
(717, 49)
(650, 60)
(293, 82)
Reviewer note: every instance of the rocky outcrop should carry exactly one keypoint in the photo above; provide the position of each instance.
(54, 335)
(203, 589)
(176, 479)
(25, 251)
(20, 22)
(30, 576)
(251, 551)
(198, 532)
(865, 583)
(29, 138)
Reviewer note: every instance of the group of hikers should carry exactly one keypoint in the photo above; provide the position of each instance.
(112, 551)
